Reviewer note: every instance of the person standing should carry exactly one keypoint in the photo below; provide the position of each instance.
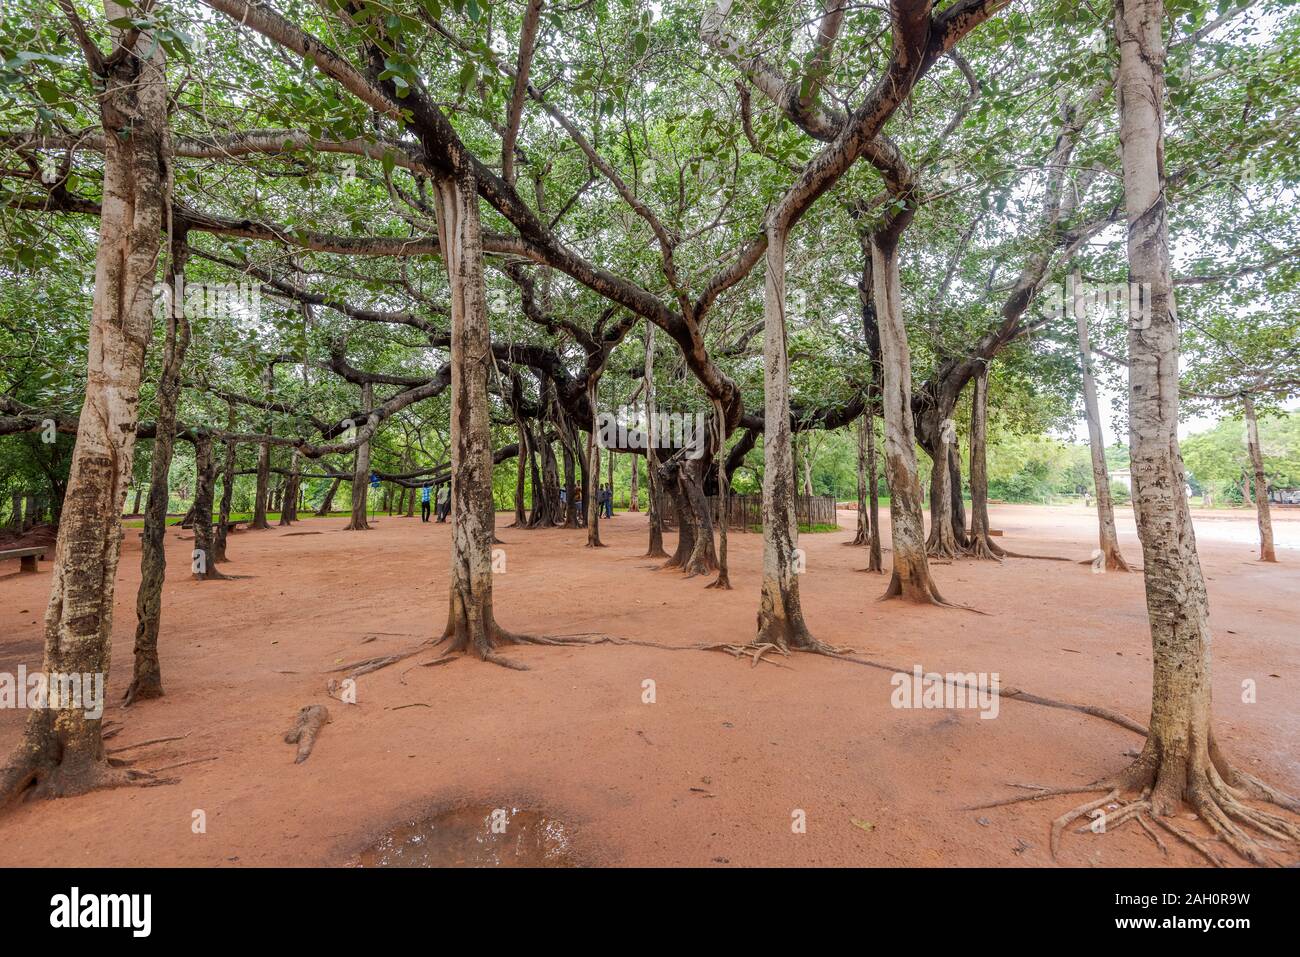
(424, 503)
(444, 502)
(609, 501)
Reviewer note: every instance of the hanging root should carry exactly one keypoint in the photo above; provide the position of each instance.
(311, 718)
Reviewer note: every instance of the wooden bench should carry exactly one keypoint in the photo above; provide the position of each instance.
(28, 557)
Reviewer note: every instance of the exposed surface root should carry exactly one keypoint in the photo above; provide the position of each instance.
(755, 651)
(1041, 794)
(141, 744)
(35, 779)
(1164, 786)
(358, 668)
(931, 596)
(1062, 822)
(311, 718)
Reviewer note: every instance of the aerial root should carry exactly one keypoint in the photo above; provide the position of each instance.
(1073, 814)
(311, 718)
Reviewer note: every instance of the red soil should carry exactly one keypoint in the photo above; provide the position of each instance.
(710, 773)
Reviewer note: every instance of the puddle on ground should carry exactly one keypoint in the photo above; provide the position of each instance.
(478, 836)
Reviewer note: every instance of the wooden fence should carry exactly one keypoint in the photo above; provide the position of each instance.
(746, 511)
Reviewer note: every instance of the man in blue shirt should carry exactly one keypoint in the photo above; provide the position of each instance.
(424, 504)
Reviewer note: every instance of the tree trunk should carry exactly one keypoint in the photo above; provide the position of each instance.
(146, 681)
(874, 561)
(1180, 759)
(1108, 555)
(205, 468)
(289, 498)
(521, 463)
(361, 470)
(227, 491)
(981, 543)
(327, 503)
(724, 494)
(634, 483)
(135, 506)
(702, 558)
(863, 535)
(610, 480)
(471, 626)
(942, 542)
(16, 512)
(911, 575)
(592, 494)
(62, 751)
(653, 503)
(263, 465)
(1266, 553)
(780, 615)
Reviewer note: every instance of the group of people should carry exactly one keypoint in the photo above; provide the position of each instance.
(604, 500)
(443, 502)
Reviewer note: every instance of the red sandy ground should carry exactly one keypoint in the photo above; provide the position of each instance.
(711, 772)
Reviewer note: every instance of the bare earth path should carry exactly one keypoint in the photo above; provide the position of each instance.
(710, 773)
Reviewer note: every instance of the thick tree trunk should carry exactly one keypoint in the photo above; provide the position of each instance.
(942, 542)
(1266, 553)
(146, 681)
(552, 515)
(202, 566)
(135, 506)
(471, 626)
(911, 574)
(1180, 759)
(780, 614)
(62, 751)
(702, 557)
(1108, 554)
(521, 463)
(263, 487)
(289, 499)
(981, 543)
(358, 521)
